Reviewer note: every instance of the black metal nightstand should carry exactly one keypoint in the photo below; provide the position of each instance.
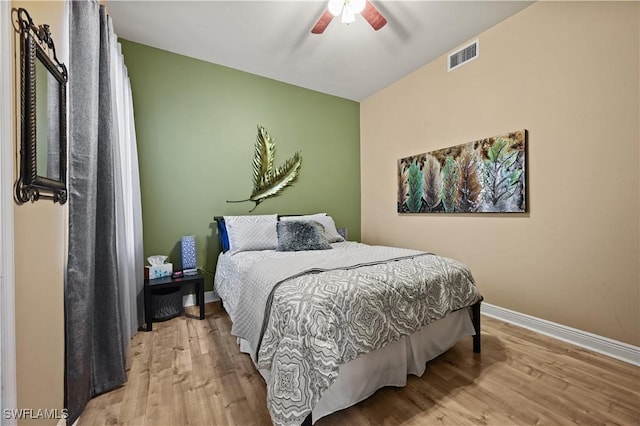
(168, 282)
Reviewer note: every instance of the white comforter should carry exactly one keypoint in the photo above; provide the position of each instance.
(310, 312)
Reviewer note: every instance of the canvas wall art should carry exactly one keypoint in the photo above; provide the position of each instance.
(487, 175)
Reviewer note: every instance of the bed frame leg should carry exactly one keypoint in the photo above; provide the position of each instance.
(475, 318)
(307, 421)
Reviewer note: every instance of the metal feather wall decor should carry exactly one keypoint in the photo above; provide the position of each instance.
(269, 181)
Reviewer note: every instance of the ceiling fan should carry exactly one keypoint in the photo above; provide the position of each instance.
(348, 9)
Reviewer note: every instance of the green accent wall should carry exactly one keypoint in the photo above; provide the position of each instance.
(196, 129)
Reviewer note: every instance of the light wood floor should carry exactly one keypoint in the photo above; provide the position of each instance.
(190, 372)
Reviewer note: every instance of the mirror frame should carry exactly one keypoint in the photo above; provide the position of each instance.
(33, 42)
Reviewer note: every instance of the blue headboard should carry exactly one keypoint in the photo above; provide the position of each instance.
(223, 237)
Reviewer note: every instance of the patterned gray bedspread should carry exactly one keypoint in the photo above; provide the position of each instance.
(310, 313)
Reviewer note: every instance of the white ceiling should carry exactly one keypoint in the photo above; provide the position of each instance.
(273, 39)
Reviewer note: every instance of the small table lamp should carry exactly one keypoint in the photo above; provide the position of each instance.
(188, 249)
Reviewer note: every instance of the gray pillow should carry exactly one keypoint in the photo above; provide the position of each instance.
(294, 235)
(323, 219)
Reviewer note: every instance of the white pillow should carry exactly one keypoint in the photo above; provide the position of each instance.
(255, 232)
(327, 221)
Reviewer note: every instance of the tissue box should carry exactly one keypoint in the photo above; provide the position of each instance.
(159, 271)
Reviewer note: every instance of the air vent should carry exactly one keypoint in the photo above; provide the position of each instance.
(464, 55)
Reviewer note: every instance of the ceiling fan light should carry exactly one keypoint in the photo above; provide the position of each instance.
(335, 7)
(348, 16)
(357, 6)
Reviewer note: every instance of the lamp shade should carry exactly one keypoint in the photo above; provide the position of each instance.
(335, 7)
(347, 16)
(357, 6)
(188, 250)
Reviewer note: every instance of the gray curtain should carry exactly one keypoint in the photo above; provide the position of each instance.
(95, 360)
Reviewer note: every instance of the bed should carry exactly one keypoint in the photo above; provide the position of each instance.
(326, 321)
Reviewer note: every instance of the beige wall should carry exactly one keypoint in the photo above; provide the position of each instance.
(567, 72)
(40, 256)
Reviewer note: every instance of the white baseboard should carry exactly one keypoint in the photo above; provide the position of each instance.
(603, 345)
(190, 299)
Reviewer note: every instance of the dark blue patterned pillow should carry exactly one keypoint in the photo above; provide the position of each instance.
(294, 235)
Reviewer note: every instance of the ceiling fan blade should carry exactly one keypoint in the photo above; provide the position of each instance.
(322, 23)
(373, 17)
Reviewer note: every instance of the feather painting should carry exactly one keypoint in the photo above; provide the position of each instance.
(449, 185)
(501, 173)
(469, 186)
(432, 183)
(414, 201)
(403, 187)
(484, 176)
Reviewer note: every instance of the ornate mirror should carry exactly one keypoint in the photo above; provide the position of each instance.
(43, 147)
